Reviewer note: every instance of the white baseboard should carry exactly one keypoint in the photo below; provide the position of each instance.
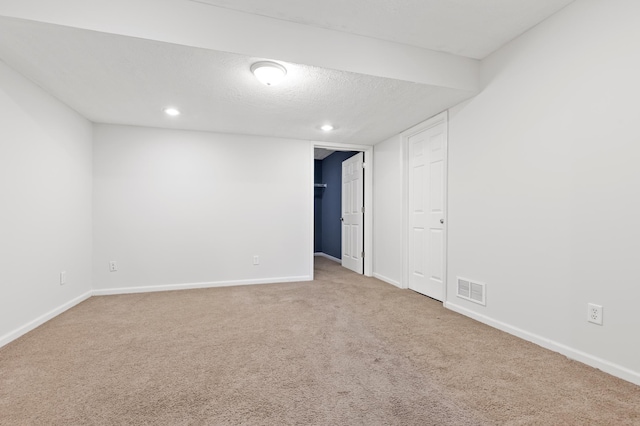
(335, 259)
(575, 354)
(386, 280)
(13, 335)
(188, 286)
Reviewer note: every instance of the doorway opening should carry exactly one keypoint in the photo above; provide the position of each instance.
(328, 197)
(331, 234)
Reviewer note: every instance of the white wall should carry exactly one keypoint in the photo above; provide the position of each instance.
(183, 209)
(544, 186)
(387, 211)
(45, 213)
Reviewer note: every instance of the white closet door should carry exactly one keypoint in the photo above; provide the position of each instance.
(353, 213)
(426, 211)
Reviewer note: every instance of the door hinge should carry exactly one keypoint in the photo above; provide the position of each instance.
(362, 209)
(362, 255)
(364, 165)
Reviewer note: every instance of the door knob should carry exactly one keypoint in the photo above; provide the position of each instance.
(441, 220)
(342, 219)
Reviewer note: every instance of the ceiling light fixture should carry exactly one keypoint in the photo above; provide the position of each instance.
(327, 127)
(171, 111)
(268, 73)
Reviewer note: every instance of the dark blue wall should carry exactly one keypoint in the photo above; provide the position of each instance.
(317, 207)
(331, 241)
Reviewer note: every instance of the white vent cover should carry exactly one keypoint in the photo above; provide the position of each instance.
(471, 290)
(464, 288)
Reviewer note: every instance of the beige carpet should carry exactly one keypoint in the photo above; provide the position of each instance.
(341, 350)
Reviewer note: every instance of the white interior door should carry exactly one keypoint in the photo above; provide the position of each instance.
(353, 213)
(426, 258)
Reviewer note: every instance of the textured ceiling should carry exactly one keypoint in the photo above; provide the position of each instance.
(111, 77)
(321, 153)
(472, 28)
(122, 80)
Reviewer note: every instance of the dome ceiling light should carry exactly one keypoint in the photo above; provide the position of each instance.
(268, 73)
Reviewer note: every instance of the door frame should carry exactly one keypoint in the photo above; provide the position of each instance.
(436, 120)
(368, 198)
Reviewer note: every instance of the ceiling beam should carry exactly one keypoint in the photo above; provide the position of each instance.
(195, 24)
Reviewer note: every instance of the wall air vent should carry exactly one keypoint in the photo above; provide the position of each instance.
(464, 288)
(471, 290)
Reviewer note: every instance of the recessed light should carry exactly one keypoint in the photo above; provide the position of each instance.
(268, 73)
(326, 127)
(171, 111)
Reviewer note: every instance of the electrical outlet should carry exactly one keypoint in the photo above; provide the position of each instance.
(256, 260)
(63, 277)
(113, 266)
(594, 313)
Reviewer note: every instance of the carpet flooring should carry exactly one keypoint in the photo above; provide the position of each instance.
(340, 350)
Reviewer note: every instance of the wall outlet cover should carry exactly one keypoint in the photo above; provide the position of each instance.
(594, 313)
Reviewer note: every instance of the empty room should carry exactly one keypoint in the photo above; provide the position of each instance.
(348, 212)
